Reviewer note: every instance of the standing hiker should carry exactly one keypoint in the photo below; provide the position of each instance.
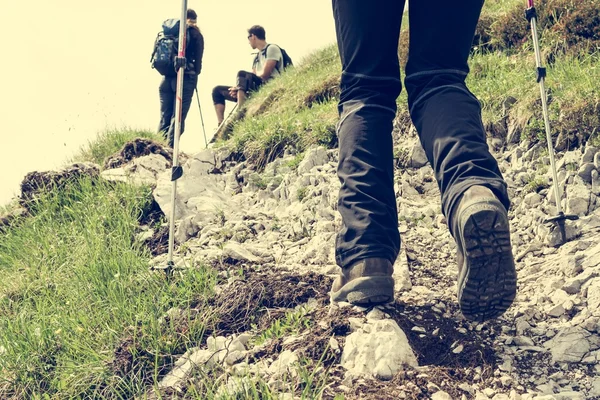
(268, 63)
(447, 117)
(193, 53)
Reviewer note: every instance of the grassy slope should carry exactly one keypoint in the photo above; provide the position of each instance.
(76, 291)
(300, 108)
(76, 284)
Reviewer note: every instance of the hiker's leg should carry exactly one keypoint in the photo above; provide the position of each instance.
(257, 82)
(220, 110)
(189, 86)
(219, 95)
(167, 102)
(254, 83)
(367, 35)
(241, 98)
(446, 114)
(245, 83)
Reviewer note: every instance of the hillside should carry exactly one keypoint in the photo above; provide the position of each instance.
(87, 311)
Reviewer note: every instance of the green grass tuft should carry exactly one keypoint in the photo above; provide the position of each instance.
(110, 142)
(76, 285)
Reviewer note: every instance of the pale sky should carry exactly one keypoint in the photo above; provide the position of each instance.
(77, 67)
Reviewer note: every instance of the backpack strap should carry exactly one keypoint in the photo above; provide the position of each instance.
(155, 42)
(257, 54)
(277, 66)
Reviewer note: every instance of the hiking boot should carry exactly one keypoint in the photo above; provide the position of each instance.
(367, 282)
(487, 280)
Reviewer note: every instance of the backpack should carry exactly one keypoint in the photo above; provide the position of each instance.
(166, 47)
(287, 60)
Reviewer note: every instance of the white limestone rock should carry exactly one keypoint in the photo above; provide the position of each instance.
(315, 156)
(379, 348)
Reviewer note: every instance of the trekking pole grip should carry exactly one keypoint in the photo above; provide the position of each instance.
(179, 62)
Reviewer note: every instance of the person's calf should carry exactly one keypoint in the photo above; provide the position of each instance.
(241, 98)
(220, 110)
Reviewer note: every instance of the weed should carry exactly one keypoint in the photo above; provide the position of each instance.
(301, 193)
(291, 323)
(258, 181)
(295, 162)
(220, 216)
(535, 185)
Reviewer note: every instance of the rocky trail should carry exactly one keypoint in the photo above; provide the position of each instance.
(271, 236)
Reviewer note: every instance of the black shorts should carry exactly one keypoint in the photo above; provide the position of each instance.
(247, 81)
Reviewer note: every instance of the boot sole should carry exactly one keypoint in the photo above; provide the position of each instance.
(369, 290)
(488, 282)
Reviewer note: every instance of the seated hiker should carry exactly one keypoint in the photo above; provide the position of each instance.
(267, 64)
(168, 86)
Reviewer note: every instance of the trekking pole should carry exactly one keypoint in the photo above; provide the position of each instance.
(201, 119)
(177, 171)
(560, 217)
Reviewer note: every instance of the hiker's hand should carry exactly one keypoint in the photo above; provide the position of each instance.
(179, 62)
(233, 91)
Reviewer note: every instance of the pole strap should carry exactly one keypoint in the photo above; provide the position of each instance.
(530, 14)
(541, 74)
(176, 173)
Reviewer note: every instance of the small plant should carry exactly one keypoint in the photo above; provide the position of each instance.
(276, 227)
(295, 162)
(291, 323)
(595, 138)
(535, 185)
(220, 216)
(224, 235)
(401, 157)
(301, 193)
(571, 167)
(184, 248)
(258, 181)
(414, 220)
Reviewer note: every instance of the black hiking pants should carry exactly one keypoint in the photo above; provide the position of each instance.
(246, 81)
(167, 91)
(446, 114)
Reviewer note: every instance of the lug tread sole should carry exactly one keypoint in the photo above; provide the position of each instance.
(490, 281)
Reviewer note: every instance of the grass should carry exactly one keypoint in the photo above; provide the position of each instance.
(291, 323)
(294, 163)
(535, 185)
(300, 108)
(301, 193)
(75, 285)
(305, 378)
(110, 142)
(494, 7)
(81, 316)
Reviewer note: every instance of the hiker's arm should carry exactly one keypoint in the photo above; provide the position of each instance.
(273, 55)
(199, 52)
(268, 70)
